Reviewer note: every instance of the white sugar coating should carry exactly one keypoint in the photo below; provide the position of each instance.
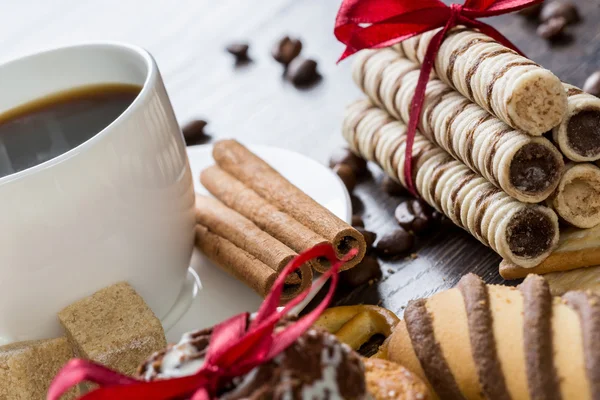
(327, 387)
(177, 361)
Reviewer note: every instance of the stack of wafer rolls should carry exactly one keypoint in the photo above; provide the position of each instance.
(258, 221)
(487, 107)
(513, 88)
(523, 233)
(497, 342)
(527, 168)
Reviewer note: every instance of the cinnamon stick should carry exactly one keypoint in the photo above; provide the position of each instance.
(235, 195)
(248, 269)
(229, 224)
(259, 176)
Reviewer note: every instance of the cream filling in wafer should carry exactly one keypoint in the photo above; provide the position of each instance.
(533, 168)
(583, 133)
(523, 233)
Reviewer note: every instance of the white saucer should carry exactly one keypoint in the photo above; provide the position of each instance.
(210, 295)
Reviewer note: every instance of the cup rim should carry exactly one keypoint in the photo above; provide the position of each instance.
(151, 73)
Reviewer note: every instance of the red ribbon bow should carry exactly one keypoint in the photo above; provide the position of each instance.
(393, 21)
(234, 350)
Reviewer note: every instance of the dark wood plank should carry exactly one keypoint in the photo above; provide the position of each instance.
(254, 104)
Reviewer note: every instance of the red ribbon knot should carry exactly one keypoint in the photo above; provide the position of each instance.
(234, 350)
(374, 24)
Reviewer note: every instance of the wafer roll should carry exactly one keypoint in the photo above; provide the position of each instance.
(259, 176)
(513, 88)
(577, 198)
(480, 341)
(577, 248)
(246, 268)
(235, 195)
(525, 234)
(578, 135)
(525, 167)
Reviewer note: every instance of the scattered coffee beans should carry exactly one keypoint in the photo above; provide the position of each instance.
(414, 215)
(392, 187)
(347, 175)
(193, 132)
(560, 9)
(345, 156)
(592, 84)
(286, 49)
(369, 236)
(395, 243)
(367, 270)
(552, 29)
(239, 51)
(302, 71)
(357, 221)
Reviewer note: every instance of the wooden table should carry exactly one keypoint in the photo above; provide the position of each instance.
(254, 104)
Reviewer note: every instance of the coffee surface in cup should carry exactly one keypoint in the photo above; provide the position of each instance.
(47, 127)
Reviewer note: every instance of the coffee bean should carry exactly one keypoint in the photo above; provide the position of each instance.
(286, 49)
(358, 206)
(357, 221)
(560, 9)
(193, 132)
(302, 71)
(395, 243)
(393, 188)
(369, 236)
(239, 51)
(347, 175)
(345, 156)
(531, 12)
(552, 29)
(367, 270)
(592, 84)
(414, 215)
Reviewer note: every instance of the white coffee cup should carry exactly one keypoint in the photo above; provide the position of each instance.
(119, 207)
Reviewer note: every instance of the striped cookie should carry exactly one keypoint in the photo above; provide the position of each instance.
(480, 341)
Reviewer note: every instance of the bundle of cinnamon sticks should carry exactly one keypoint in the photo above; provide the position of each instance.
(258, 221)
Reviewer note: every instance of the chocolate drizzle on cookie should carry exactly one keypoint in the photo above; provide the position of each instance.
(429, 352)
(481, 334)
(587, 306)
(542, 378)
(316, 366)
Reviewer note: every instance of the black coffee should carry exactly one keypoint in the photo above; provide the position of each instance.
(50, 126)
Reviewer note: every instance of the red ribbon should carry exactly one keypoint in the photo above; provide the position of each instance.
(393, 21)
(234, 350)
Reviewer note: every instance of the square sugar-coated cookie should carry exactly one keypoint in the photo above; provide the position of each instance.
(27, 368)
(114, 327)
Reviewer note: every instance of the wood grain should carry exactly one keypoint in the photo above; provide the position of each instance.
(255, 105)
